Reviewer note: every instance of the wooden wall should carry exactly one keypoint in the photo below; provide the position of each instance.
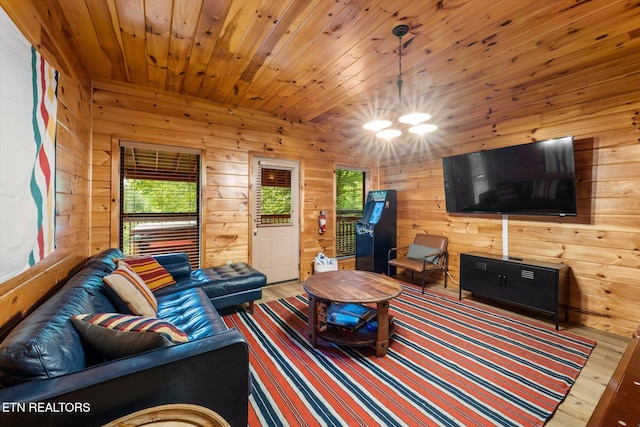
(229, 138)
(73, 142)
(601, 244)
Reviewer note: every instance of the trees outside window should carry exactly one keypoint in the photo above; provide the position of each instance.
(159, 203)
(274, 196)
(350, 198)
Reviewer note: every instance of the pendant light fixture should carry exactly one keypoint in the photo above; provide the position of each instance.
(416, 120)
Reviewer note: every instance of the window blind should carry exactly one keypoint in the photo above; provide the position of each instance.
(273, 196)
(160, 202)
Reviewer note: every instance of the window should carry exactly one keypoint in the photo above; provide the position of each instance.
(349, 206)
(273, 196)
(159, 203)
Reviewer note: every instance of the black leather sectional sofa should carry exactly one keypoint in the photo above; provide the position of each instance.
(50, 377)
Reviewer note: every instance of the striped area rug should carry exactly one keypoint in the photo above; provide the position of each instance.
(449, 363)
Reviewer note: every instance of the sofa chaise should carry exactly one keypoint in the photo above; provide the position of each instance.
(226, 285)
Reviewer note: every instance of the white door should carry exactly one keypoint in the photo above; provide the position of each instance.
(275, 216)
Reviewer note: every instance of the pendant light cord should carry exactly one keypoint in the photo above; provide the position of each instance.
(399, 82)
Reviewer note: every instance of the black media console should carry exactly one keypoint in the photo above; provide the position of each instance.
(539, 285)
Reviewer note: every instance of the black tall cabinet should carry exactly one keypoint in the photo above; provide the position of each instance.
(376, 231)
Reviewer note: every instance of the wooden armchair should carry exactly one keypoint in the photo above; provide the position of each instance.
(427, 254)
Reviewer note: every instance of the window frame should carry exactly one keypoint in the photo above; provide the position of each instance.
(351, 219)
(284, 182)
(185, 235)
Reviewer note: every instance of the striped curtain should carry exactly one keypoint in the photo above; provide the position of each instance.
(28, 104)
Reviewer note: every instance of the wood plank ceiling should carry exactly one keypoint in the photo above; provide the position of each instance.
(336, 61)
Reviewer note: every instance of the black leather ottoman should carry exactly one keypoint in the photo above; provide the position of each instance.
(231, 284)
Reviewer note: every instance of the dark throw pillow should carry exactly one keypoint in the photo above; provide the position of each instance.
(115, 335)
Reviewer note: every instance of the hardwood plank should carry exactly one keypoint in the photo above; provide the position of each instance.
(294, 16)
(265, 26)
(185, 14)
(133, 34)
(158, 38)
(327, 52)
(207, 31)
(238, 18)
(103, 17)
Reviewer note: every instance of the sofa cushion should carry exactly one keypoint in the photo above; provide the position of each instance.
(177, 264)
(45, 344)
(150, 270)
(105, 260)
(133, 291)
(115, 335)
(191, 311)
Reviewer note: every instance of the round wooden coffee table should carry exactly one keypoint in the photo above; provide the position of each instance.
(351, 286)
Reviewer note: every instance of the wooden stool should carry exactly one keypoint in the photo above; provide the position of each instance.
(175, 415)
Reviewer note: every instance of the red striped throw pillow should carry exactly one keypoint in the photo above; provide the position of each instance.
(115, 335)
(150, 270)
(132, 290)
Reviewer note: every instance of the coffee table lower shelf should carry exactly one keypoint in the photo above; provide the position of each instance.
(355, 338)
(362, 336)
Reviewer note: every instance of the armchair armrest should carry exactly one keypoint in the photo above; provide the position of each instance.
(438, 254)
(396, 249)
(436, 262)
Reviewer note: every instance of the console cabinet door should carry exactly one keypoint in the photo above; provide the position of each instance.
(481, 276)
(531, 286)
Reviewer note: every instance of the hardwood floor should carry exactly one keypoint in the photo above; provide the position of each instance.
(585, 393)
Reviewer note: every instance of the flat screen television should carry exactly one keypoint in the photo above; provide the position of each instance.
(537, 178)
